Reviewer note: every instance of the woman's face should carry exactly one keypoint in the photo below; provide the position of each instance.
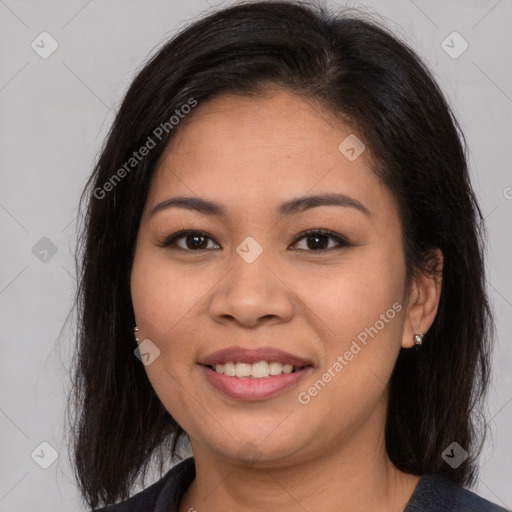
(252, 280)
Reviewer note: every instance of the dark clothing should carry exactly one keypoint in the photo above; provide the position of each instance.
(432, 494)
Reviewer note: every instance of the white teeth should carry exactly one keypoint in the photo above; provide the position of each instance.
(243, 369)
(229, 369)
(260, 369)
(275, 368)
(257, 370)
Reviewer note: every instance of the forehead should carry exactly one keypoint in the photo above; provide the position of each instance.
(280, 120)
(266, 149)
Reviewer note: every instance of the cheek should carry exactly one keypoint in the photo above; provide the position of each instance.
(164, 301)
(162, 297)
(352, 295)
(360, 310)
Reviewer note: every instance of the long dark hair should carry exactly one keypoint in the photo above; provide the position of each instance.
(372, 83)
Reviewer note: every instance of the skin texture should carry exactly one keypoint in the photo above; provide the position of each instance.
(250, 155)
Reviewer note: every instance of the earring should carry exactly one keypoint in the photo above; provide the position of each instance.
(418, 339)
(135, 333)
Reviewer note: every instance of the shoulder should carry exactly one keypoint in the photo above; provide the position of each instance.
(439, 494)
(162, 496)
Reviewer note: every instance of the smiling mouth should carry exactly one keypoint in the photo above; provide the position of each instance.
(258, 370)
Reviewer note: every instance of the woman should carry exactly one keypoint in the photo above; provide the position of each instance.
(283, 264)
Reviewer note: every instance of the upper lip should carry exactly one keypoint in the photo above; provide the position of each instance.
(247, 355)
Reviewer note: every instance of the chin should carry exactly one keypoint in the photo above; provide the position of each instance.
(255, 447)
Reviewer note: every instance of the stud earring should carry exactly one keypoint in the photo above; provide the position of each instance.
(418, 339)
(135, 333)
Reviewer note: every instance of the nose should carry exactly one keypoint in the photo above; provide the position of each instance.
(252, 294)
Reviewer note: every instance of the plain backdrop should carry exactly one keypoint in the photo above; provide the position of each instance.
(54, 114)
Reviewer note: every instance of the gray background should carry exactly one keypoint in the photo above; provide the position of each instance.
(54, 114)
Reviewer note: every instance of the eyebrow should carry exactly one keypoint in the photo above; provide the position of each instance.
(293, 206)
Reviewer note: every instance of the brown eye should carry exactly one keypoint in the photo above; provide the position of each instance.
(193, 241)
(318, 240)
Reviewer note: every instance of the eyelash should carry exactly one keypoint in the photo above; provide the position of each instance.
(169, 242)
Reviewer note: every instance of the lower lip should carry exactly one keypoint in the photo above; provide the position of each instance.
(254, 389)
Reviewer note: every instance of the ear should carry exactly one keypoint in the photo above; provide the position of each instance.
(423, 301)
